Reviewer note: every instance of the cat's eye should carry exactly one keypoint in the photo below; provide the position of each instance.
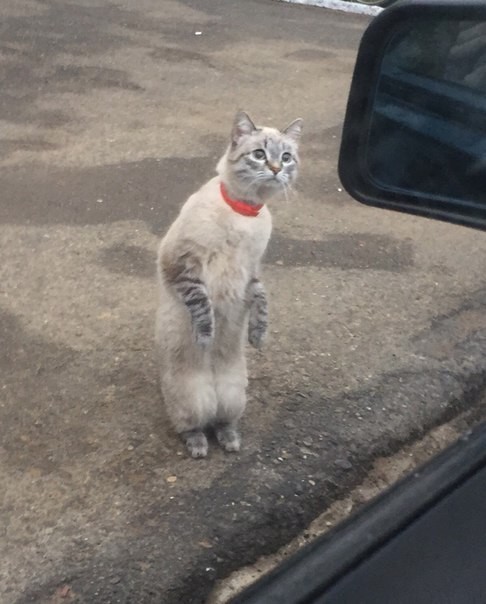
(259, 154)
(286, 158)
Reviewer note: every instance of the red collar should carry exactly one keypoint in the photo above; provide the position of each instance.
(242, 207)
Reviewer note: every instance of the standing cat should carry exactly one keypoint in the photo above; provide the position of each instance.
(211, 298)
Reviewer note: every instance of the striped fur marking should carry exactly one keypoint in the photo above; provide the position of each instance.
(258, 319)
(183, 277)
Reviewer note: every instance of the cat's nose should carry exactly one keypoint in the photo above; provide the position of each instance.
(275, 168)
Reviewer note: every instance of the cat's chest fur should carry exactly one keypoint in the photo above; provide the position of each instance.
(235, 254)
(231, 245)
(235, 258)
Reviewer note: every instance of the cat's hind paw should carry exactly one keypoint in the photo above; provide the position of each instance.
(196, 443)
(229, 438)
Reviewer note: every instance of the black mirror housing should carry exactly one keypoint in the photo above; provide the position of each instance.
(414, 135)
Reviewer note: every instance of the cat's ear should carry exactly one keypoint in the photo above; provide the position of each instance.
(294, 129)
(242, 125)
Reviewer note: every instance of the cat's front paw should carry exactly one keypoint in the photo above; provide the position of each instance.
(256, 334)
(204, 334)
(204, 339)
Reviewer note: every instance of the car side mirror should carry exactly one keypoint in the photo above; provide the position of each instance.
(414, 136)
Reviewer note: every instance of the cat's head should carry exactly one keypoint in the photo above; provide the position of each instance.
(260, 161)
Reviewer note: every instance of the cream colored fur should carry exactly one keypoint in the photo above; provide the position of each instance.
(209, 287)
(201, 385)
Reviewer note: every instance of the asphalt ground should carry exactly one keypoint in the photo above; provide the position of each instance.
(111, 114)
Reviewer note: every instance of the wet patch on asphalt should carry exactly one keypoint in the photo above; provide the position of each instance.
(362, 251)
(78, 79)
(310, 54)
(172, 54)
(152, 190)
(131, 260)
(447, 333)
(11, 145)
(33, 46)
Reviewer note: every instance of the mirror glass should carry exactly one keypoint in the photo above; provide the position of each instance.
(427, 132)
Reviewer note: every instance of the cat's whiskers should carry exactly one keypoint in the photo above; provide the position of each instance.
(286, 188)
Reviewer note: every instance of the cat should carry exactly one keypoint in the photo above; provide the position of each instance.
(211, 299)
